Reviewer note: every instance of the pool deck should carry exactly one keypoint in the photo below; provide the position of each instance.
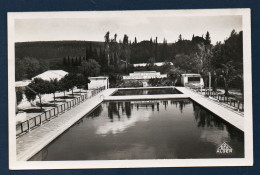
(32, 142)
(228, 115)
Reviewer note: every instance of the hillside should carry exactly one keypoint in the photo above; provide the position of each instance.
(49, 50)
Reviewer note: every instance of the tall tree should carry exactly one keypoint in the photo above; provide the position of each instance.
(90, 68)
(126, 51)
(208, 40)
(180, 38)
(107, 48)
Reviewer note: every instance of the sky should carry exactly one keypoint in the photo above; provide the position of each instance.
(141, 27)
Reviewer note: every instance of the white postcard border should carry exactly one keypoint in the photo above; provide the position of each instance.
(248, 134)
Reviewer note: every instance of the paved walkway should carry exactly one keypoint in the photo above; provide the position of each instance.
(228, 115)
(32, 142)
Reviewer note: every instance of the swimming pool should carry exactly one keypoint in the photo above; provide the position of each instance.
(150, 129)
(148, 91)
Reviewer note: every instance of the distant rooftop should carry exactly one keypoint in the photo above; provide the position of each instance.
(191, 74)
(51, 75)
(22, 83)
(99, 77)
(156, 64)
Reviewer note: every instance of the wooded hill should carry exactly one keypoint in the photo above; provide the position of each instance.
(55, 49)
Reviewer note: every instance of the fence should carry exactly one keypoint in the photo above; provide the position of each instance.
(26, 126)
(232, 101)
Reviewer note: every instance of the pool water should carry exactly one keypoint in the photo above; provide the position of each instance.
(150, 91)
(152, 129)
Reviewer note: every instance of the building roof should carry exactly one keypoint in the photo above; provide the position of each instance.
(99, 77)
(51, 75)
(22, 83)
(190, 74)
(145, 64)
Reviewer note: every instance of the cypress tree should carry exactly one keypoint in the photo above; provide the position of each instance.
(68, 63)
(72, 62)
(64, 62)
(208, 41)
(79, 60)
(76, 62)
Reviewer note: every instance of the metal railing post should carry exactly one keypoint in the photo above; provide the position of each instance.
(28, 124)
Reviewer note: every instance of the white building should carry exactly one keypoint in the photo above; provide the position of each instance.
(22, 83)
(97, 82)
(51, 75)
(146, 64)
(192, 79)
(144, 75)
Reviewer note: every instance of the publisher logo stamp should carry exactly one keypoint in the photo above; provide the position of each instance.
(224, 149)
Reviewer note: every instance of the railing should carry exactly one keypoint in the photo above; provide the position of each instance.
(232, 101)
(28, 125)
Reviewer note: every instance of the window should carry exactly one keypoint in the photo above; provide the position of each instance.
(193, 79)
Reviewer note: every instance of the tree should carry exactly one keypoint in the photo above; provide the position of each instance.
(107, 37)
(70, 81)
(107, 48)
(52, 87)
(62, 86)
(174, 74)
(126, 51)
(208, 41)
(190, 64)
(180, 38)
(227, 60)
(81, 81)
(28, 67)
(68, 62)
(64, 61)
(90, 68)
(115, 36)
(204, 61)
(37, 87)
(150, 65)
(228, 73)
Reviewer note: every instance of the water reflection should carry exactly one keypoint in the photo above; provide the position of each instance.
(206, 119)
(96, 112)
(119, 126)
(150, 91)
(151, 129)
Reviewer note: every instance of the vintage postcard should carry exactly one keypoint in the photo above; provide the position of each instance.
(123, 89)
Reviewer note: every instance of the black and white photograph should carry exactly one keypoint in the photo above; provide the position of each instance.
(125, 89)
